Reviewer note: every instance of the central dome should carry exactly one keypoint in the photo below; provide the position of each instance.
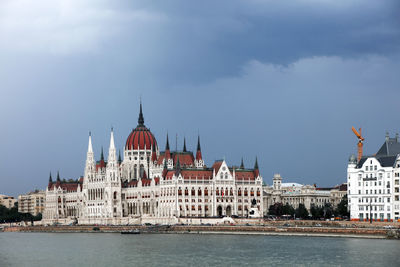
(140, 137)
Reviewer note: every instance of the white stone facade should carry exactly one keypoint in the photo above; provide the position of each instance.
(148, 183)
(373, 184)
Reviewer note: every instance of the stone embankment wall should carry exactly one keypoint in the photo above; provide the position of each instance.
(392, 233)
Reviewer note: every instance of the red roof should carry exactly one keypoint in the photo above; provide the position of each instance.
(100, 164)
(71, 187)
(139, 138)
(196, 174)
(217, 165)
(245, 175)
(185, 158)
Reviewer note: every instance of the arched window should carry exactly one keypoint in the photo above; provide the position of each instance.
(245, 192)
(199, 192)
(115, 194)
(217, 191)
(193, 191)
(240, 192)
(186, 191)
(226, 175)
(206, 191)
(180, 191)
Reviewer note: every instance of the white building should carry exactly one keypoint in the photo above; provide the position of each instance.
(373, 184)
(160, 186)
(295, 194)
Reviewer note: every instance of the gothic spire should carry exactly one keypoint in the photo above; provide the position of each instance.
(58, 176)
(184, 144)
(102, 154)
(141, 118)
(50, 179)
(90, 147)
(178, 167)
(242, 164)
(256, 171)
(198, 153)
(119, 157)
(167, 144)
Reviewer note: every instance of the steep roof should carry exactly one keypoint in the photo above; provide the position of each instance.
(391, 147)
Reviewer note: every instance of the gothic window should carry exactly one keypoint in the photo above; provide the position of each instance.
(206, 191)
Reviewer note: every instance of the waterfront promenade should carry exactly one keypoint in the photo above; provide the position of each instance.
(260, 227)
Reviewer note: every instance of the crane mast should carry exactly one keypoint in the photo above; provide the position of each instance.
(360, 142)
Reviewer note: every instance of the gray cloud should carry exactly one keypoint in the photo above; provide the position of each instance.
(281, 80)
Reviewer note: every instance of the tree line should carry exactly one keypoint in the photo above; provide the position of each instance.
(12, 215)
(326, 212)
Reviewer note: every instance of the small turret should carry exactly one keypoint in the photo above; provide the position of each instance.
(165, 170)
(167, 151)
(198, 153)
(184, 144)
(256, 171)
(178, 167)
(141, 118)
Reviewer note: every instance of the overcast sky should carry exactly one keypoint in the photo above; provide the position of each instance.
(281, 80)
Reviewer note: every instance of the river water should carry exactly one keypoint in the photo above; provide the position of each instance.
(113, 249)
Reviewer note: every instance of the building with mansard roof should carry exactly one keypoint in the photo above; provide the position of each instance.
(153, 185)
(373, 184)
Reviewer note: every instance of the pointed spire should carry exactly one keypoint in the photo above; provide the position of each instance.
(242, 164)
(90, 147)
(198, 153)
(112, 144)
(119, 157)
(50, 178)
(58, 176)
(178, 167)
(102, 154)
(167, 144)
(141, 118)
(184, 144)
(167, 152)
(256, 171)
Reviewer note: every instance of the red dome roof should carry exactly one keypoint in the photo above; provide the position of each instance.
(139, 138)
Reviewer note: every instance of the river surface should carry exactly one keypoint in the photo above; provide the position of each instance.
(113, 249)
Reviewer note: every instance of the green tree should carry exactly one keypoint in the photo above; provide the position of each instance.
(288, 209)
(276, 209)
(302, 212)
(328, 210)
(342, 208)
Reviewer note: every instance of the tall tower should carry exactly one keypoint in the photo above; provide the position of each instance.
(113, 182)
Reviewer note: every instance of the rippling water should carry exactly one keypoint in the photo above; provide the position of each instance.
(101, 249)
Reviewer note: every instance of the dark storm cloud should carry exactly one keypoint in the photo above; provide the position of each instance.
(284, 80)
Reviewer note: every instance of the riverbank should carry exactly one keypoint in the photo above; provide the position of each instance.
(219, 229)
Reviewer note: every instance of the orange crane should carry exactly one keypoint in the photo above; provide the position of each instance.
(360, 142)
